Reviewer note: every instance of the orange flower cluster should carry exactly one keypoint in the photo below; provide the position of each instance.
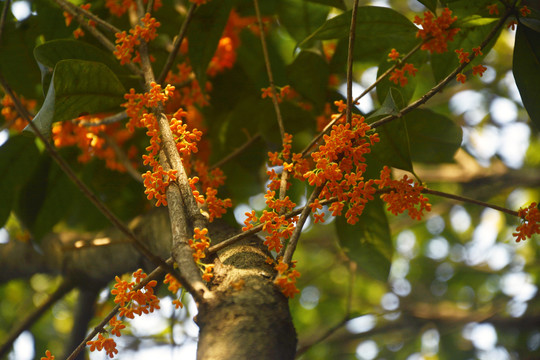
(530, 225)
(174, 286)
(461, 78)
(189, 92)
(479, 70)
(463, 56)
(10, 114)
(286, 93)
(210, 181)
(286, 279)
(398, 75)
(69, 18)
(394, 55)
(199, 244)
(404, 195)
(92, 140)
(126, 43)
(135, 302)
(48, 356)
(137, 109)
(119, 7)
(199, 2)
(340, 164)
(437, 30)
(101, 343)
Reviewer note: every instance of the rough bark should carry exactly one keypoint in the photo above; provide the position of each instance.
(249, 317)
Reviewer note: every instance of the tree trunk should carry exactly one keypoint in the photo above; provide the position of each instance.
(249, 317)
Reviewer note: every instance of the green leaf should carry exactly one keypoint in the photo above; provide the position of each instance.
(45, 199)
(18, 159)
(308, 75)
(526, 68)
(250, 57)
(378, 30)
(430, 4)
(339, 4)
(393, 149)
(204, 32)
(17, 64)
(50, 53)
(434, 138)
(79, 87)
(300, 17)
(368, 242)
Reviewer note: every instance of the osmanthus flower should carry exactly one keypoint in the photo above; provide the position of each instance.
(127, 42)
(90, 136)
(103, 343)
(340, 165)
(530, 222)
(403, 195)
(398, 75)
(173, 286)
(135, 302)
(77, 33)
(436, 30)
(199, 244)
(286, 279)
(48, 356)
(10, 114)
(120, 7)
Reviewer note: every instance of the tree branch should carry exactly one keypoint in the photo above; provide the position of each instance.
(352, 36)
(176, 46)
(446, 80)
(65, 287)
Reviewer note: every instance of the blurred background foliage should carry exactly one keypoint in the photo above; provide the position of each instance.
(459, 287)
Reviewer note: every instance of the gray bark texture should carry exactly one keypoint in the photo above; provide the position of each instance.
(249, 317)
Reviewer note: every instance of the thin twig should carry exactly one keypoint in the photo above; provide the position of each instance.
(269, 70)
(352, 36)
(176, 46)
(66, 6)
(470, 201)
(65, 287)
(5, 10)
(122, 158)
(291, 246)
(122, 115)
(157, 273)
(104, 24)
(446, 80)
(328, 126)
(236, 152)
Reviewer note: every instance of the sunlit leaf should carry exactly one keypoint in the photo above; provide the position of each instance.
(378, 30)
(300, 17)
(79, 87)
(50, 53)
(430, 4)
